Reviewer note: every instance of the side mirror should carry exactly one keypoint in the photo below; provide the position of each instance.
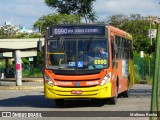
(39, 46)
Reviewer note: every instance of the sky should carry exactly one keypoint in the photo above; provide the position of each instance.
(26, 12)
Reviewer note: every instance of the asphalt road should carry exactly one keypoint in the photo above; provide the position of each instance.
(33, 100)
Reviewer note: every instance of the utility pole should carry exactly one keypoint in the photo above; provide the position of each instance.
(149, 18)
(152, 34)
(150, 27)
(155, 100)
(158, 38)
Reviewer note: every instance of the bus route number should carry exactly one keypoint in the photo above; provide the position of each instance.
(100, 62)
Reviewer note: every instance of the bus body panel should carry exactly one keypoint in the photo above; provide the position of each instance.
(90, 91)
(56, 92)
(122, 80)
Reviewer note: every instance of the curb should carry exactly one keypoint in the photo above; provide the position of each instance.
(20, 87)
(32, 80)
(22, 80)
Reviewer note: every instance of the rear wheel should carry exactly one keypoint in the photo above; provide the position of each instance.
(59, 102)
(126, 93)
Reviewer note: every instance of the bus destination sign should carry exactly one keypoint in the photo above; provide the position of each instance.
(80, 30)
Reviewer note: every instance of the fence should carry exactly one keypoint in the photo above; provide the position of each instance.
(144, 67)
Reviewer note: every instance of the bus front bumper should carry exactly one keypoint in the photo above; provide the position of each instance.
(98, 92)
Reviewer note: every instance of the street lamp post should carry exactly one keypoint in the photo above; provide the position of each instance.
(150, 26)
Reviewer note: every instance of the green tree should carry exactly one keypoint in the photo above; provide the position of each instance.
(92, 17)
(53, 19)
(83, 8)
(117, 20)
(8, 31)
(137, 26)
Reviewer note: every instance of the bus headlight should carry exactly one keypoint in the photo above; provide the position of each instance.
(106, 79)
(48, 80)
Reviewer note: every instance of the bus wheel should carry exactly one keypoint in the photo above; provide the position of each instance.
(113, 100)
(125, 94)
(59, 102)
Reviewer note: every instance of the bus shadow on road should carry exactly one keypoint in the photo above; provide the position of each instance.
(38, 101)
(26, 101)
(82, 103)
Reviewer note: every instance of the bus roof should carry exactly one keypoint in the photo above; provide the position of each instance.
(119, 31)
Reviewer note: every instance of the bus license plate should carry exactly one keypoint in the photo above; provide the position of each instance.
(77, 92)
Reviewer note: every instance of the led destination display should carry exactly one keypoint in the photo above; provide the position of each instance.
(81, 30)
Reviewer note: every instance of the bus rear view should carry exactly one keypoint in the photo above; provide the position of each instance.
(78, 63)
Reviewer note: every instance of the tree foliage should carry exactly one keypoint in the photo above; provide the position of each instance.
(8, 31)
(11, 31)
(137, 26)
(83, 8)
(53, 19)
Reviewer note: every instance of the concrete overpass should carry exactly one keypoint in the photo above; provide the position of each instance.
(6, 55)
(17, 48)
(11, 45)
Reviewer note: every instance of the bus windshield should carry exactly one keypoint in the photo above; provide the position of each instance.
(77, 54)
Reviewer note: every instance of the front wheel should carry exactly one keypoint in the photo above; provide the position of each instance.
(59, 102)
(113, 100)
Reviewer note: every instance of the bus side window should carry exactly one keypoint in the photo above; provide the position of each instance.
(114, 47)
(118, 42)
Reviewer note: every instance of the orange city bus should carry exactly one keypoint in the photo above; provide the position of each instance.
(91, 61)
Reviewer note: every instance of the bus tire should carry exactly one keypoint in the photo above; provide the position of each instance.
(59, 102)
(113, 100)
(126, 93)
